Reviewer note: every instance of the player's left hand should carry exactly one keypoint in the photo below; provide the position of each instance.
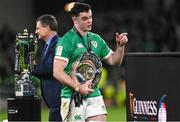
(121, 39)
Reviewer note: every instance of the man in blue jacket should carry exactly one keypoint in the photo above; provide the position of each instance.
(46, 29)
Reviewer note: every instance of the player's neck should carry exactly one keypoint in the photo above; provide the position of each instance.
(81, 31)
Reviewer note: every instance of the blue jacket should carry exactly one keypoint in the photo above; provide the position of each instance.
(50, 87)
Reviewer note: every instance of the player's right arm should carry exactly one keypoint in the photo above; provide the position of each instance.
(60, 75)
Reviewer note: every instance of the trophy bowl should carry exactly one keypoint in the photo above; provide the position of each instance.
(88, 68)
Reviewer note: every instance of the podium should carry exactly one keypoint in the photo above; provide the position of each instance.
(24, 109)
(153, 86)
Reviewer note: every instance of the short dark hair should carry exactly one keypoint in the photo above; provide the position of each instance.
(49, 20)
(80, 7)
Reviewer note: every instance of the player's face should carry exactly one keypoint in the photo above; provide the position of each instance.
(84, 21)
(41, 31)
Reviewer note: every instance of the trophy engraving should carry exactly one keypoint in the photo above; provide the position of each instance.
(25, 50)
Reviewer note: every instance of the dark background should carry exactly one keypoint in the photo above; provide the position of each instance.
(152, 26)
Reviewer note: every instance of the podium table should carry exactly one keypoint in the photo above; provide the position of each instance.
(153, 86)
(24, 109)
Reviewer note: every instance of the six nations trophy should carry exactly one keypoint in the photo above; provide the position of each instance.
(26, 105)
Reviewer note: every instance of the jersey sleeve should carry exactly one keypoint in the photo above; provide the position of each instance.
(62, 50)
(105, 51)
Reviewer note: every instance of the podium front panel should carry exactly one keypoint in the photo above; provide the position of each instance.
(24, 109)
(153, 86)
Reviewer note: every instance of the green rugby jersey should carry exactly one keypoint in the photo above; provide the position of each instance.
(71, 46)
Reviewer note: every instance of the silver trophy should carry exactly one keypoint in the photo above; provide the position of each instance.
(88, 67)
(25, 50)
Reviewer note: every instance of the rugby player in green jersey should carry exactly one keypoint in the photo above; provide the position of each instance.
(69, 48)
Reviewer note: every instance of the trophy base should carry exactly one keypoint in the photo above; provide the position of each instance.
(23, 108)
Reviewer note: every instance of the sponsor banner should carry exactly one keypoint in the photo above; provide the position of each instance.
(150, 110)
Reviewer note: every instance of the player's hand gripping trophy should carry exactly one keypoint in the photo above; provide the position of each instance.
(25, 50)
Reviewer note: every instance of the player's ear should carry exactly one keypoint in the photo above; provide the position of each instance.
(74, 19)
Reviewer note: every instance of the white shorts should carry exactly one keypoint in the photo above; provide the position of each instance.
(91, 107)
